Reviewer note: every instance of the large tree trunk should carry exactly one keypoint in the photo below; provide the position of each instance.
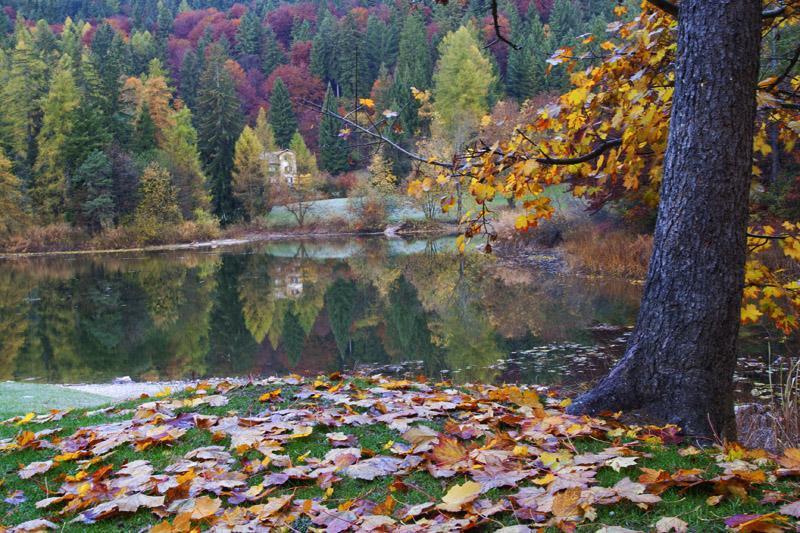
(679, 363)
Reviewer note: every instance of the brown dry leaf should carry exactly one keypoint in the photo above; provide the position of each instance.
(205, 507)
(448, 452)
(419, 435)
(565, 504)
(668, 524)
(459, 495)
(634, 492)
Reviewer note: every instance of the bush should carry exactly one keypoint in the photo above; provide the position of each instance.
(370, 212)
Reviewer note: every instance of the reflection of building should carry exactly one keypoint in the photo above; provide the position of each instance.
(288, 282)
(282, 166)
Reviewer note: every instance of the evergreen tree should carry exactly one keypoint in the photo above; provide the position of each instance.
(414, 68)
(281, 114)
(462, 82)
(272, 54)
(250, 179)
(340, 302)
(352, 64)
(23, 94)
(12, 215)
(324, 50)
(306, 161)
(144, 131)
(564, 27)
(191, 69)
(91, 193)
(50, 171)
(219, 123)
(293, 337)
(333, 150)
(182, 159)
(249, 39)
(264, 132)
(301, 31)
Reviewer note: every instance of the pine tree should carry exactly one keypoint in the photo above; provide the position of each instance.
(306, 161)
(50, 171)
(250, 179)
(272, 54)
(264, 132)
(281, 114)
(158, 204)
(462, 82)
(182, 159)
(144, 131)
(352, 63)
(333, 150)
(564, 27)
(12, 216)
(219, 123)
(521, 75)
(323, 50)
(91, 193)
(23, 93)
(191, 69)
(414, 68)
(249, 39)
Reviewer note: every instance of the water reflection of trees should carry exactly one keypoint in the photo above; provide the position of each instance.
(178, 315)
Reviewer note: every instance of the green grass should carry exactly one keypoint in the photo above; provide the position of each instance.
(20, 398)
(418, 487)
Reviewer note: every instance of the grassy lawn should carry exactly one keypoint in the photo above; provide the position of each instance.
(19, 398)
(306, 453)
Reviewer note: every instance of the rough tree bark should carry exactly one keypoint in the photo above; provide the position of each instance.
(679, 362)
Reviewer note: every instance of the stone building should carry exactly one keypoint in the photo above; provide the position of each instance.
(282, 166)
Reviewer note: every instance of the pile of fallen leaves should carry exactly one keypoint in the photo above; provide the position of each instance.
(506, 456)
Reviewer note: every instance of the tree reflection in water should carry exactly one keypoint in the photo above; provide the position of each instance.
(290, 307)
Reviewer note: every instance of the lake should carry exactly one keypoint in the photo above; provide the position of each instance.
(395, 306)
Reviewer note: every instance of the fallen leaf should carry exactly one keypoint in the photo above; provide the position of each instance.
(460, 495)
(671, 523)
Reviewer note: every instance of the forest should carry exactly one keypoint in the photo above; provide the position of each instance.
(146, 121)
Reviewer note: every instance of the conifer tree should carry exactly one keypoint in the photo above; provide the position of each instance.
(50, 171)
(272, 54)
(333, 150)
(306, 161)
(249, 40)
(91, 193)
(182, 159)
(250, 179)
(281, 114)
(264, 132)
(462, 82)
(12, 215)
(191, 69)
(520, 71)
(324, 51)
(414, 68)
(144, 131)
(352, 62)
(219, 123)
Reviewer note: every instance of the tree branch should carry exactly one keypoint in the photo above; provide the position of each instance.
(565, 161)
(788, 70)
(497, 31)
(376, 135)
(672, 9)
(666, 6)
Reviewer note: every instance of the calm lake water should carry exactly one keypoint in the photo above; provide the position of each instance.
(412, 307)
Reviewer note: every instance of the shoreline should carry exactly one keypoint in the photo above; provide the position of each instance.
(226, 242)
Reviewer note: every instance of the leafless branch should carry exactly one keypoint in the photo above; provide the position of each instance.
(497, 31)
(788, 70)
(376, 135)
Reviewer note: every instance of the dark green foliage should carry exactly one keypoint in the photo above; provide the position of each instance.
(191, 69)
(271, 52)
(219, 123)
(293, 337)
(414, 69)
(323, 50)
(352, 62)
(340, 301)
(144, 132)
(333, 150)
(406, 322)
(249, 35)
(91, 192)
(281, 115)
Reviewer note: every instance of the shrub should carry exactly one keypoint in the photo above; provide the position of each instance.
(607, 251)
